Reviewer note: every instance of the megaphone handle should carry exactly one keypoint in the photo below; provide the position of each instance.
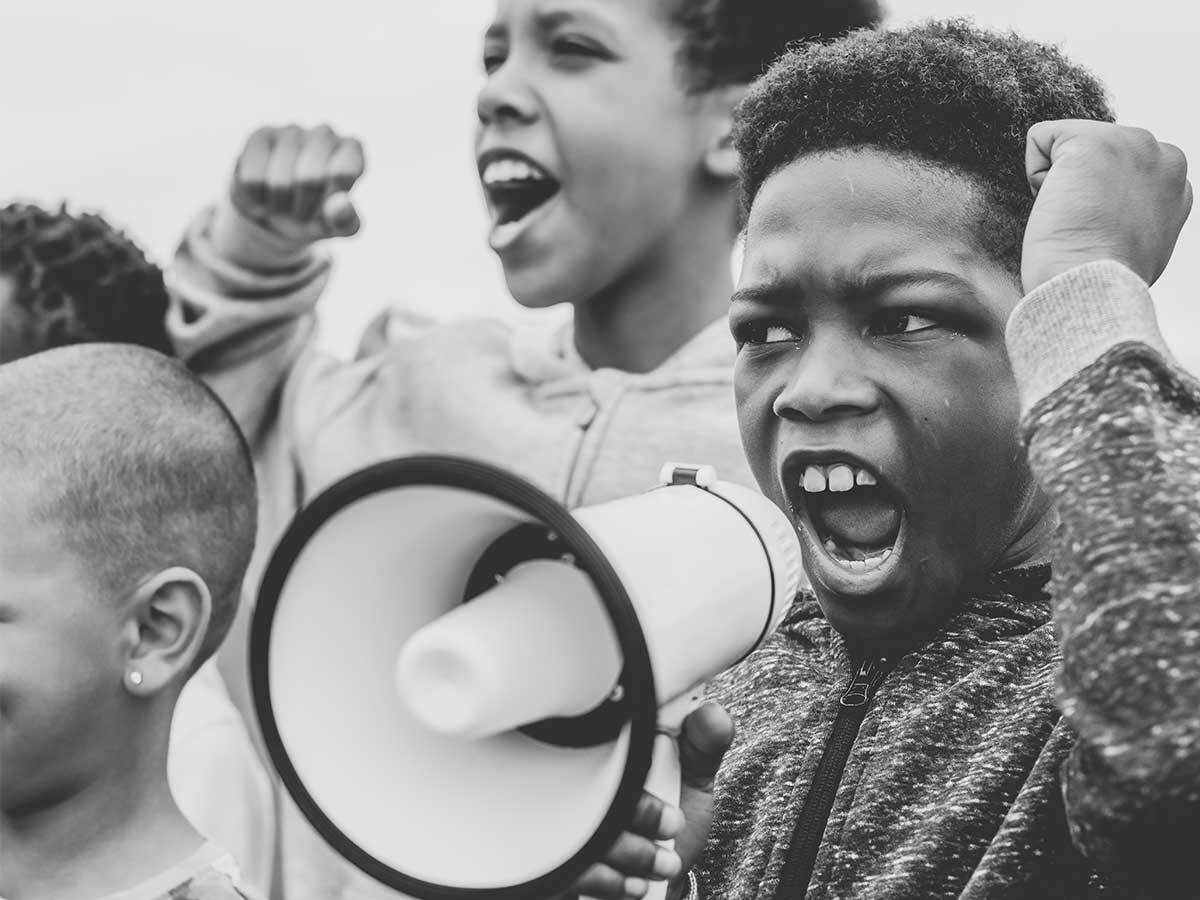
(664, 780)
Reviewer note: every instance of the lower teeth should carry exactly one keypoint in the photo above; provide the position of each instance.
(870, 561)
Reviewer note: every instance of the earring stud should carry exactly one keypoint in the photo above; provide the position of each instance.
(135, 678)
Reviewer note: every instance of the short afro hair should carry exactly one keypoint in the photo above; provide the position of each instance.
(942, 93)
(138, 465)
(727, 42)
(77, 279)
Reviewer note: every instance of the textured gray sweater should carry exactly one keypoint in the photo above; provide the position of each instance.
(1046, 741)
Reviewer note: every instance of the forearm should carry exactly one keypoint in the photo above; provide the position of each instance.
(241, 309)
(1114, 438)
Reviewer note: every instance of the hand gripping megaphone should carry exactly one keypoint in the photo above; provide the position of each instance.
(462, 684)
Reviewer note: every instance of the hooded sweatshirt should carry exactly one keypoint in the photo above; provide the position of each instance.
(1045, 741)
(520, 398)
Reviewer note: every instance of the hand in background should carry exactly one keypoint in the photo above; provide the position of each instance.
(295, 183)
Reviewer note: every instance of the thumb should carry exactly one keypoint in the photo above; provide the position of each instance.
(339, 215)
(1039, 150)
(705, 736)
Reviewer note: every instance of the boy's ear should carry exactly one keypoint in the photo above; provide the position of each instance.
(168, 620)
(720, 157)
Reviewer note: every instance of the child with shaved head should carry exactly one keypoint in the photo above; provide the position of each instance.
(127, 517)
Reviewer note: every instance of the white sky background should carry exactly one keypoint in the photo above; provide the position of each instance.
(137, 108)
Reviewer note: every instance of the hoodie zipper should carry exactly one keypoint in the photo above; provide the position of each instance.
(814, 814)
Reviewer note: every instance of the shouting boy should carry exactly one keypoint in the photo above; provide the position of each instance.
(950, 374)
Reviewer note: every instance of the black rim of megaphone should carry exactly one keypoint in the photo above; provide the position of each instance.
(636, 680)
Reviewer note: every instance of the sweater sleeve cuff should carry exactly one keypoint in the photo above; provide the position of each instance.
(1069, 322)
(214, 301)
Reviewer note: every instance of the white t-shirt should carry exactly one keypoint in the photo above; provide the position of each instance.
(218, 779)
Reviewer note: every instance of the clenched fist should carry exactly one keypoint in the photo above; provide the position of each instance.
(295, 183)
(1103, 191)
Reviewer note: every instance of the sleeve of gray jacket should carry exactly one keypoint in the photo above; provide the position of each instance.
(1113, 431)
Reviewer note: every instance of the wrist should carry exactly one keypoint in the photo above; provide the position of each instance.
(1070, 321)
(241, 241)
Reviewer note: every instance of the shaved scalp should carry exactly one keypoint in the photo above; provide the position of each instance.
(136, 463)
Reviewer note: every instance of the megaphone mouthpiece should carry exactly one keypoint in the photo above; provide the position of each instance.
(538, 645)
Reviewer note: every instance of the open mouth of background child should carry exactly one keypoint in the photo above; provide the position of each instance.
(516, 188)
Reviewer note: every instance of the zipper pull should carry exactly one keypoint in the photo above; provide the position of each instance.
(864, 684)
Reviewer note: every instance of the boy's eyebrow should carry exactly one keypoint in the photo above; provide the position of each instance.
(549, 19)
(873, 283)
(865, 284)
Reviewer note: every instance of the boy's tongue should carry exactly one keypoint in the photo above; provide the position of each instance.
(859, 517)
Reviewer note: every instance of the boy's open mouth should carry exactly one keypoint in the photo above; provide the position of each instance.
(849, 518)
(516, 187)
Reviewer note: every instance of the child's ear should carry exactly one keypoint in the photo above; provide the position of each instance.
(168, 620)
(720, 157)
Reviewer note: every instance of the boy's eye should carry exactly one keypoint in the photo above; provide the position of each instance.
(577, 48)
(766, 333)
(901, 321)
(493, 58)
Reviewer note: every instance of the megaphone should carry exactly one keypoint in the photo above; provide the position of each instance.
(461, 683)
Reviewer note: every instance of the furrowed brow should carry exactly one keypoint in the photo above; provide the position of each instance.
(872, 284)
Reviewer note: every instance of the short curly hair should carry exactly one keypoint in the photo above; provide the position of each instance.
(728, 42)
(943, 93)
(79, 280)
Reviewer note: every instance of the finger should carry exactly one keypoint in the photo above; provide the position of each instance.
(706, 735)
(654, 818)
(250, 171)
(1039, 143)
(346, 165)
(606, 883)
(637, 855)
(339, 217)
(312, 165)
(281, 170)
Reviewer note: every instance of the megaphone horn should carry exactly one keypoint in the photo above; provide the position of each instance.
(460, 682)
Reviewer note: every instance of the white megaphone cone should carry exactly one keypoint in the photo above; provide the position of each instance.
(462, 684)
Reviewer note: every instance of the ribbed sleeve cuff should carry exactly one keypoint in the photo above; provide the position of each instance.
(1070, 321)
(215, 303)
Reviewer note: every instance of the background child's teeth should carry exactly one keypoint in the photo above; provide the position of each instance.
(864, 477)
(830, 545)
(841, 478)
(814, 479)
(886, 554)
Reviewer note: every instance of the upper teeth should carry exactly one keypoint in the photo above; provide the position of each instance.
(837, 477)
(510, 170)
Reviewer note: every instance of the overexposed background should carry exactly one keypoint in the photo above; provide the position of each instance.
(136, 109)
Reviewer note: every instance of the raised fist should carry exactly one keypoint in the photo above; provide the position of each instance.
(295, 182)
(1103, 191)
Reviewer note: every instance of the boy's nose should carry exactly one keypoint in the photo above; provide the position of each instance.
(505, 96)
(825, 381)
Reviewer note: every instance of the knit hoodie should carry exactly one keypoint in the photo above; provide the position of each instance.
(520, 398)
(1045, 742)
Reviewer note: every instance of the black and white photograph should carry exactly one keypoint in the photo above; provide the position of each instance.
(599, 450)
